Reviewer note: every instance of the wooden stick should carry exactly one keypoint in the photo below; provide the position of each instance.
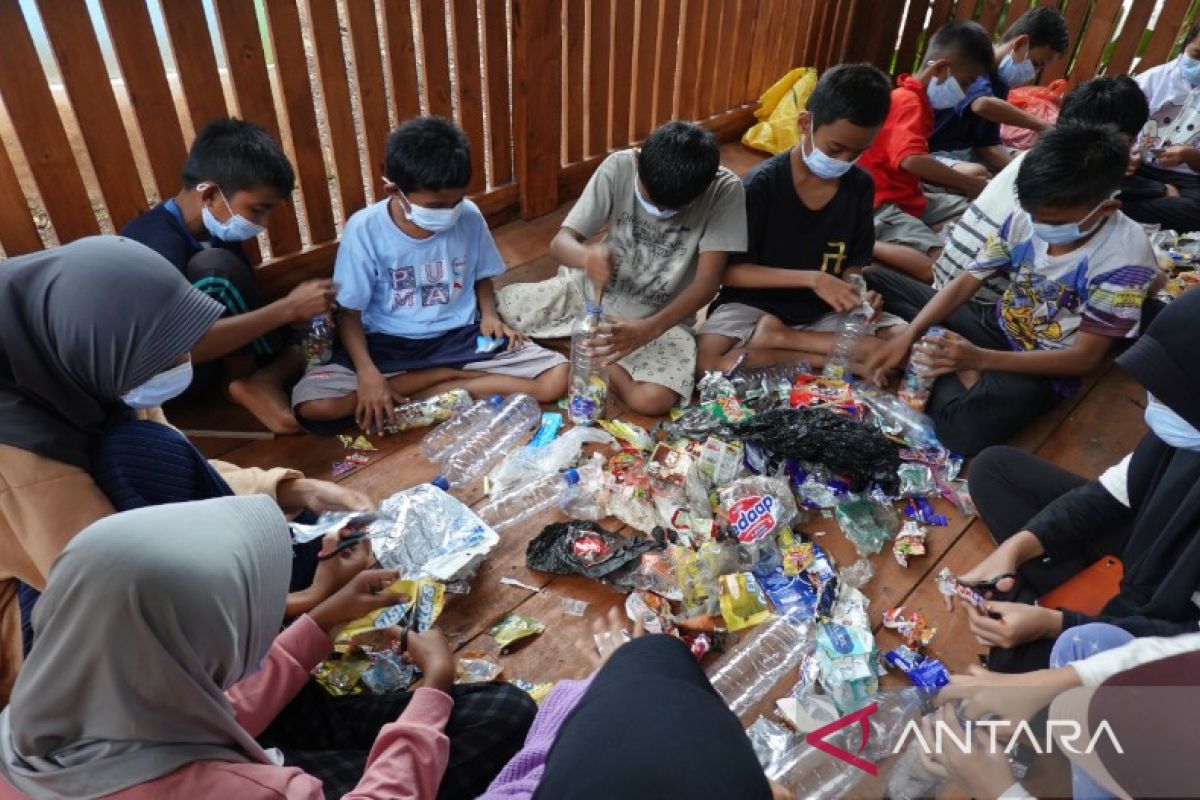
(203, 434)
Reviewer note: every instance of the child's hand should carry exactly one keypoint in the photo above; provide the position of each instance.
(942, 355)
(493, 327)
(598, 265)
(1018, 623)
(377, 402)
(622, 337)
(840, 295)
(887, 358)
(431, 652)
(310, 299)
(1175, 155)
(320, 496)
(360, 595)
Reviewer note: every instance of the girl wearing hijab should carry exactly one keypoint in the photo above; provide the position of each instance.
(166, 684)
(79, 353)
(1051, 524)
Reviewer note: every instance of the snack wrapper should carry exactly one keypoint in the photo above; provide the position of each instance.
(388, 674)
(343, 523)
(537, 691)
(921, 510)
(514, 627)
(867, 524)
(949, 586)
(428, 533)
(341, 677)
(916, 480)
(475, 667)
(357, 443)
(913, 628)
(720, 461)
(810, 391)
(653, 611)
(427, 598)
(757, 507)
(628, 432)
(909, 542)
(742, 601)
(488, 344)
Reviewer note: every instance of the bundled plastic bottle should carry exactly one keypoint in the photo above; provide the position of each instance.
(916, 386)
(318, 341)
(587, 391)
(445, 436)
(476, 454)
(744, 677)
(525, 502)
(422, 413)
(846, 339)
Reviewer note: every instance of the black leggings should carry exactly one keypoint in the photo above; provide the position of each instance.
(1143, 199)
(651, 726)
(1009, 487)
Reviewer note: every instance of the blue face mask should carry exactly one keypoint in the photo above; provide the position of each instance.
(1017, 73)
(1190, 68)
(1066, 233)
(1170, 427)
(162, 387)
(819, 164)
(235, 229)
(434, 220)
(945, 94)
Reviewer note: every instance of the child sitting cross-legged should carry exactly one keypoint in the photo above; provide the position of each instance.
(1079, 272)
(414, 275)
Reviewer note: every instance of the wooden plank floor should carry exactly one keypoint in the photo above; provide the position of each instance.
(1086, 434)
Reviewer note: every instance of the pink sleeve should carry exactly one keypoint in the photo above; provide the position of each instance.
(409, 757)
(258, 699)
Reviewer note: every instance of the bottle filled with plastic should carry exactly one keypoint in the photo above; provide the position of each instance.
(897, 418)
(745, 676)
(525, 502)
(916, 386)
(318, 341)
(846, 340)
(423, 413)
(445, 436)
(587, 390)
(474, 455)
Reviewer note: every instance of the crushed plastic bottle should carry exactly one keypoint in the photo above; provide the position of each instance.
(846, 340)
(745, 676)
(587, 391)
(475, 455)
(423, 413)
(898, 419)
(442, 438)
(526, 502)
(916, 386)
(318, 341)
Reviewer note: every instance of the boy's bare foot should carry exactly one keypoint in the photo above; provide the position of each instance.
(268, 403)
(771, 333)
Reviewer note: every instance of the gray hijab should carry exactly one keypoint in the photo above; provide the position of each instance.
(81, 325)
(147, 618)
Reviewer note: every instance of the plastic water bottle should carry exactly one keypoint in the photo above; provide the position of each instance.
(422, 413)
(774, 378)
(476, 454)
(897, 418)
(318, 342)
(909, 780)
(744, 677)
(846, 338)
(587, 391)
(916, 386)
(525, 502)
(444, 436)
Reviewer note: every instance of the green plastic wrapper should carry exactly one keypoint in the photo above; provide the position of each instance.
(743, 603)
(513, 628)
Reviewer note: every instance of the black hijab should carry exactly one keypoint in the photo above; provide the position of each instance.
(81, 325)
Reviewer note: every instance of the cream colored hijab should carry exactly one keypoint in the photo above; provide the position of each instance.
(147, 618)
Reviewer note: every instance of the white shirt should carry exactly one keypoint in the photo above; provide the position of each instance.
(1174, 113)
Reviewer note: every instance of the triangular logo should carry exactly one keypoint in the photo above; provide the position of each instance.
(817, 738)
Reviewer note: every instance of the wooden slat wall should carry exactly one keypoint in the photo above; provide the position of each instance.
(372, 94)
(596, 94)
(195, 60)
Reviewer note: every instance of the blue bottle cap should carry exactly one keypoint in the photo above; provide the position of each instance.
(591, 309)
(571, 476)
(496, 400)
(441, 483)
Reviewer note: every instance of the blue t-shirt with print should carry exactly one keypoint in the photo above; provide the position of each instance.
(414, 288)
(960, 128)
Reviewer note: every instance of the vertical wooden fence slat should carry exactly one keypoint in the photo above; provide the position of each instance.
(835, 44)
(436, 54)
(824, 18)
(1096, 37)
(335, 92)
(876, 27)
(287, 42)
(495, 28)
(470, 86)
(195, 60)
(573, 114)
(81, 65)
(599, 53)
(793, 15)
(942, 13)
(643, 69)
(1015, 9)
(693, 58)
(990, 15)
(802, 55)
(623, 52)
(964, 10)
(537, 65)
(145, 78)
(18, 231)
(709, 65)
(372, 91)
(668, 49)
(1166, 30)
(39, 128)
(1074, 14)
(743, 48)
(402, 60)
(1129, 38)
(726, 53)
(252, 87)
(764, 26)
(914, 25)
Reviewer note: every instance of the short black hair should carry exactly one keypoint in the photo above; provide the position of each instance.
(677, 162)
(1113, 100)
(1044, 26)
(963, 41)
(237, 155)
(1072, 166)
(429, 153)
(858, 93)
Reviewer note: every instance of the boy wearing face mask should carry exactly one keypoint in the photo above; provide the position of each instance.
(414, 274)
(899, 161)
(234, 176)
(1079, 270)
(970, 131)
(810, 226)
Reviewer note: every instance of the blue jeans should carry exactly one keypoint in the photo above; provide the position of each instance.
(1076, 644)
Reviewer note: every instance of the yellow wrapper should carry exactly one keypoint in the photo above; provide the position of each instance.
(742, 601)
(429, 596)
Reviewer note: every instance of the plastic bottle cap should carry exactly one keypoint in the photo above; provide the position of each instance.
(571, 476)
(441, 482)
(591, 309)
(495, 400)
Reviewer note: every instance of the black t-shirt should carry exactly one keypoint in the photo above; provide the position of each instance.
(783, 232)
(162, 231)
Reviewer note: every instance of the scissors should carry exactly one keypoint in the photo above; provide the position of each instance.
(992, 585)
(344, 544)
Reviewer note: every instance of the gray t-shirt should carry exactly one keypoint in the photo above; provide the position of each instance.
(654, 260)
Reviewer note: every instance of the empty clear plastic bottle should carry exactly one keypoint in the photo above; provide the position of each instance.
(422, 413)
(318, 341)
(525, 502)
(476, 454)
(587, 391)
(846, 339)
(745, 676)
(916, 386)
(444, 436)
(775, 378)
(897, 418)
(909, 780)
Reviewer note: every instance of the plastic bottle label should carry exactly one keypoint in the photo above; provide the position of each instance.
(751, 518)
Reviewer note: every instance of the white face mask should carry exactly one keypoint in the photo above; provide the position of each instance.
(235, 229)
(1170, 427)
(1017, 73)
(162, 387)
(819, 163)
(650, 208)
(434, 220)
(945, 94)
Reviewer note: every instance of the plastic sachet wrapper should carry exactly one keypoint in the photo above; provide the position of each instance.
(913, 628)
(427, 598)
(771, 743)
(720, 461)
(699, 573)
(343, 676)
(923, 671)
(857, 574)
(846, 657)
(910, 541)
(949, 586)
(757, 507)
(656, 571)
(388, 674)
(533, 461)
(715, 385)
(743, 603)
(473, 666)
(916, 480)
(633, 435)
(513, 627)
(428, 533)
(536, 691)
(343, 523)
(816, 493)
(921, 510)
(867, 524)
(583, 548)
(653, 611)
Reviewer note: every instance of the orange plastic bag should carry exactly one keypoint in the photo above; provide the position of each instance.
(1040, 101)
